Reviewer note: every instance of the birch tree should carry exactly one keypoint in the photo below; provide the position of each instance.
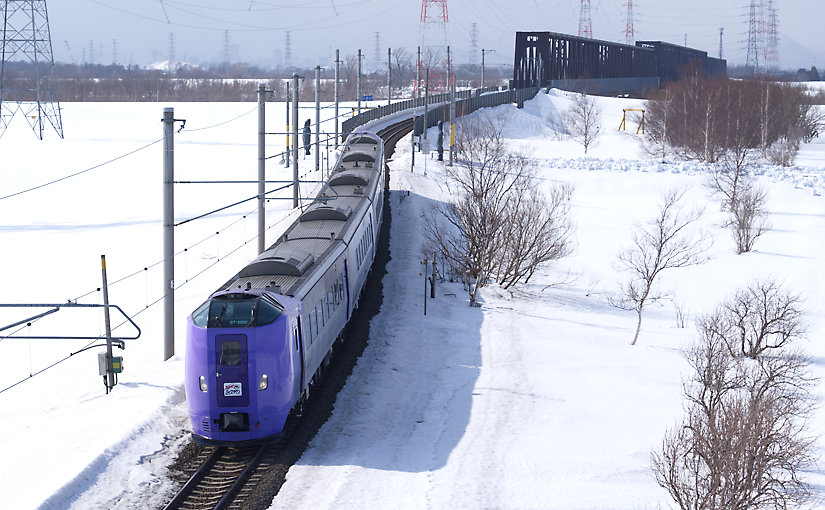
(665, 242)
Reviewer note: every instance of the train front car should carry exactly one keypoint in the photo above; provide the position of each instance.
(242, 373)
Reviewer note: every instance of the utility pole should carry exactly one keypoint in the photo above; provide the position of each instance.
(261, 167)
(288, 145)
(389, 76)
(452, 118)
(295, 189)
(358, 83)
(168, 233)
(418, 75)
(426, 104)
(484, 52)
(317, 118)
(337, 66)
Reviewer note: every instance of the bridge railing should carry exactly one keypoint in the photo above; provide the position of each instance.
(467, 101)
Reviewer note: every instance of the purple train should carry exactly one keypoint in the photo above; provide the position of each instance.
(256, 345)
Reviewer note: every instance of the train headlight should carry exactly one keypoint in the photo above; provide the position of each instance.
(264, 383)
(202, 382)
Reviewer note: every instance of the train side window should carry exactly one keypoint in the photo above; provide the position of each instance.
(201, 315)
(267, 312)
(319, 321)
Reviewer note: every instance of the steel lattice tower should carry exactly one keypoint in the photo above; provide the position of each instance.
(226, 53)
(771, 34)
(629, 31)
(474, 44)
(752, 60)
(288, 51)
(585, 20)
(171, 52)
(434, 43)
(27, 82)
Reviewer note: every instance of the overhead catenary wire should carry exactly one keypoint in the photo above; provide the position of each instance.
(75, 174)
(118, 158)
(147, 307)
(147, 267)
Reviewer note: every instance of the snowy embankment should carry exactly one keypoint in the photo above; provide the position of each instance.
(534, 400)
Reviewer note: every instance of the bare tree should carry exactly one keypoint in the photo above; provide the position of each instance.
(761, 317)
(748, 219)
(583, 120)
(539, 230)
(783, 151)
(658, 112)
(497, 226)
(731, 175)
(663, 243)
(743, 443)
(706, 117)
(486, 181)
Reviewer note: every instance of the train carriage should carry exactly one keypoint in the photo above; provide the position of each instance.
(256, 345)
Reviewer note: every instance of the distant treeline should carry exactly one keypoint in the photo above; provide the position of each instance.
(238, 82)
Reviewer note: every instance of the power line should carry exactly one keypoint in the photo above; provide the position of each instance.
(82, 171)
(75, 174)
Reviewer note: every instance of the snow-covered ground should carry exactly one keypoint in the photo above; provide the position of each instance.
(534, 400)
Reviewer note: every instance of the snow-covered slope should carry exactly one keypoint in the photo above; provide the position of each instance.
(534, 400)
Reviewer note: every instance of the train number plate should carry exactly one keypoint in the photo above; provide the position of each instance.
(232, 389)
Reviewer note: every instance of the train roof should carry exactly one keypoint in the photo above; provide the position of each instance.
(322, 227)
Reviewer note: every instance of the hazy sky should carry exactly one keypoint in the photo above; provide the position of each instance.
(257, 28)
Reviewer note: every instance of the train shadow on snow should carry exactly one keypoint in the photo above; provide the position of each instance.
(408, 401)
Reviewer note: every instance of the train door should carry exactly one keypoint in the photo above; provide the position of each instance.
(231, 358)
(299, 346)
(346, 285)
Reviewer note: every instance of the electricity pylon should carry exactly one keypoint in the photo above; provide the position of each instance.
(27, 82)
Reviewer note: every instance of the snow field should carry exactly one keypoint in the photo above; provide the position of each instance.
(534, 400)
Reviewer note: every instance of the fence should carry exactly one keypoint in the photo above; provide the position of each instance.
(467, 101)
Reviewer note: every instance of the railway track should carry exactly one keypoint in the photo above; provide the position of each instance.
(249, 477)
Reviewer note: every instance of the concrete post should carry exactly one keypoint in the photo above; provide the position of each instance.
(317, 118)
(168, 233)
(358, 83)
(417, 87)
(337, 66)
(389, 76)
(295, 190)
(451, 77)
(288, 145)
(261, 167)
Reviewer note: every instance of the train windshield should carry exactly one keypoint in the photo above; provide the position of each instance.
(237, 311)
